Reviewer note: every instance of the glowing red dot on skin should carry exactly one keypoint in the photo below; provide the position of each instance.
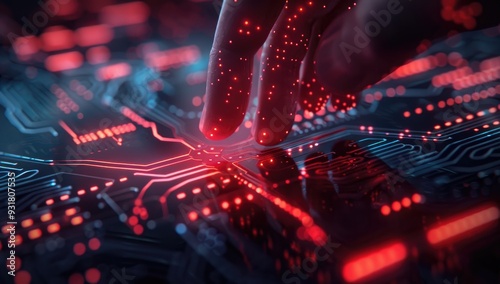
(93, 275)
(225, 205)
(237, 201)
(385, 210)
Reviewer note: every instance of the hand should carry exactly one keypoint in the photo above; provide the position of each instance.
(313, 51)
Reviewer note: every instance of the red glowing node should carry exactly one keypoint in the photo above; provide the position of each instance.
(417, 198)
(138, 229)
(94, 244)
(93, 275)
(79, 249)
(396, 206)
(193, 216)
(385, 210)
(133, 220)
(206, 211)
(406, 202)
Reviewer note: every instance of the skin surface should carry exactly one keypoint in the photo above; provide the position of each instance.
(317, 51)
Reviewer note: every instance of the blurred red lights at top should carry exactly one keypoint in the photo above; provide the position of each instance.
(125, 14)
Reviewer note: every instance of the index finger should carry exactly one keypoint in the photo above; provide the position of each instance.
(243, 27)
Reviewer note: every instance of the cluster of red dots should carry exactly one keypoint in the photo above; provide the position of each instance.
(108, 132)
(406, 202)
(236, 201)
(247, 29)
(486, 126)
(321, 101)
(91, 275)
(465, 15)
(464, 77)
(35, 233)
(419, 66)
(484, 94)
(470, 117)
(79, 249)
(390, 92)
(140, 212)
(308, 230)
(450, 77)
(81, 90)
(366, 128)
(477, 78)
(65, 197)
(64, 102)
(344, 104)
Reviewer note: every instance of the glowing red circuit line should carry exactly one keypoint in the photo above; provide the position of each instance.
(309, 230)
(125, 168)
(372, 262)
(70, 132)
(170, 174)
(143, 190)
(461, 226)
(469, 117)
(100, 134)
(164, 196)
(130, 164)
(147, 124)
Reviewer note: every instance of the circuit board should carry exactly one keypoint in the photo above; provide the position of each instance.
(114, 183)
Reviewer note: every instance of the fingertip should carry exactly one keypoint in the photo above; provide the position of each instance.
(216, 130)
(273, 130)
(266, 137)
